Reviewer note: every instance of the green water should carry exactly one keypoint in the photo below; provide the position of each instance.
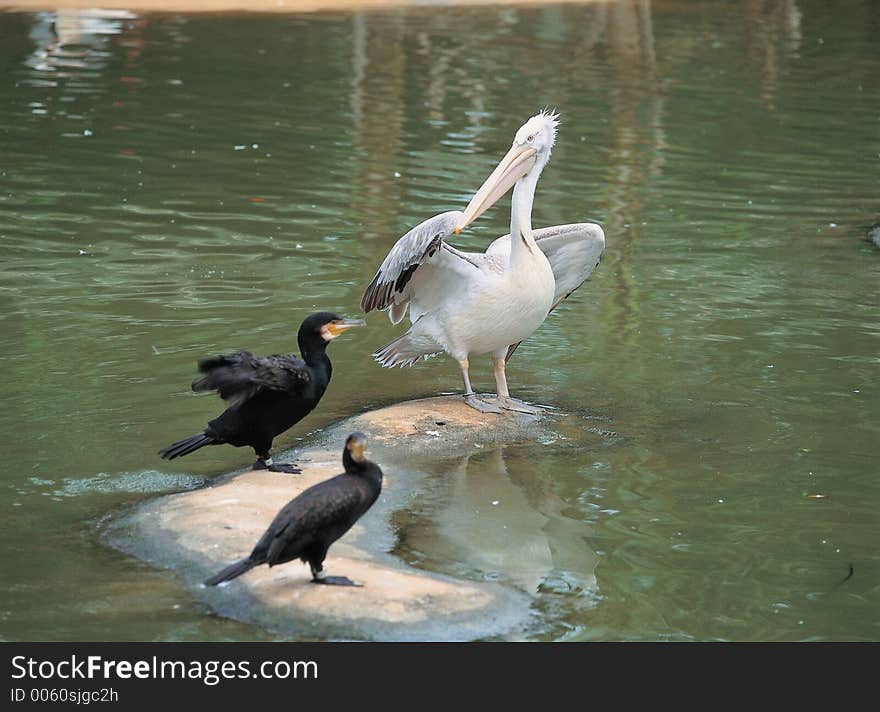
(177, 186)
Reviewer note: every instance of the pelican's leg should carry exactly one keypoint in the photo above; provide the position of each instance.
(470, 398)
(499, 360)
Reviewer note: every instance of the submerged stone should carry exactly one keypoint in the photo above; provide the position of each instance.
(197, 533)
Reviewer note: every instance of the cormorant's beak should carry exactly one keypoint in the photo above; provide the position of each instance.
(335, 328)
(517, 163)
(357, 444)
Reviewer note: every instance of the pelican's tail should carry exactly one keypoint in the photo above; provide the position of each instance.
(406, 350)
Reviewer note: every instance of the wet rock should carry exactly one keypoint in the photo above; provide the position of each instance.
(439, 427)
(197, 533)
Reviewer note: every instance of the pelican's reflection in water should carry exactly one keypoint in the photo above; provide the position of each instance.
(496, 517)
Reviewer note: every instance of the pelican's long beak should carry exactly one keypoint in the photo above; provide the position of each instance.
(517, 163)
(335, 328)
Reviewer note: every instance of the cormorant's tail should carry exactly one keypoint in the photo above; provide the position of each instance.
(232, 571)
(186, 446)
(406, 350)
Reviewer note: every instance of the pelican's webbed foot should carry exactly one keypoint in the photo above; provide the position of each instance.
(479, 404)
(518, 406)
(267, 464)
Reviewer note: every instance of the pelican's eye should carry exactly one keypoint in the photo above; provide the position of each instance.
(531, 138)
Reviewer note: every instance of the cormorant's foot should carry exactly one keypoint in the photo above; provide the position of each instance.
(288, 468)
(337, 581)
(479, 404)
(518, 406)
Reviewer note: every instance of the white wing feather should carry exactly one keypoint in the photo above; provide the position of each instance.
(391, 288)
(572, 250)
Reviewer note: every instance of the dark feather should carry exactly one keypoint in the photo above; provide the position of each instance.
(309, 524)
(242, 375)
(332, 504)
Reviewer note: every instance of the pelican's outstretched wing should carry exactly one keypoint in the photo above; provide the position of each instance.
(422, 245)
(573, 252)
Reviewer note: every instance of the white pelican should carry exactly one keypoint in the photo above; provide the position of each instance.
(467, 303)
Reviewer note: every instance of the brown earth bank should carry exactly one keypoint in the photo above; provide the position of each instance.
(277, 6)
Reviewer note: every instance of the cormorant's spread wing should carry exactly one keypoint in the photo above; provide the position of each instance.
(332, 504)
(240, 376)
(423, 245)
(573, 252)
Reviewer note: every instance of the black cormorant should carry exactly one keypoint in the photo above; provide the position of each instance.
(316, 518)
(267, 395)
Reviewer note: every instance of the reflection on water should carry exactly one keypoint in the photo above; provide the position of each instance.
(477, 518)
(74, 41)
(173, 186)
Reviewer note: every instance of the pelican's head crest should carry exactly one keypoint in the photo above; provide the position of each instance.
(527, 157)
(539, 132)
